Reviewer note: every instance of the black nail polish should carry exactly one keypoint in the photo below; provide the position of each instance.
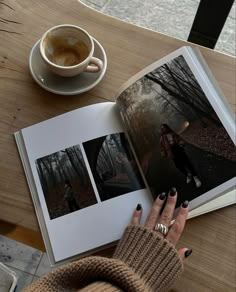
(185, 204)
(139, 207)
(188, 252)
(173, 192)
(162, 196)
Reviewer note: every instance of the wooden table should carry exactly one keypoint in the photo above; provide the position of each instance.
(22, 103)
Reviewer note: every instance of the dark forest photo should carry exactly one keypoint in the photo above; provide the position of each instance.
(65, 182)
(113, 166)
(178, 138)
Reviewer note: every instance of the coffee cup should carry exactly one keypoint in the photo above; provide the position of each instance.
(67, 50)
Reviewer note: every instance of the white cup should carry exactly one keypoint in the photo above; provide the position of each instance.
(67, 50)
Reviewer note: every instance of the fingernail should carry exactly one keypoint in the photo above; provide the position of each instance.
(139, 207)
(188, 252)
(162, 196)
(173, 192)
(185, 204)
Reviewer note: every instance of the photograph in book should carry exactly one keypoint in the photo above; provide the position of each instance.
(113, 166)
(65, 182)
(177, 136)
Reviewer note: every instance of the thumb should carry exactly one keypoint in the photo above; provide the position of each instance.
(184, 253)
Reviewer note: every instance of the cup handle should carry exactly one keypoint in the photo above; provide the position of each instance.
(97, 65)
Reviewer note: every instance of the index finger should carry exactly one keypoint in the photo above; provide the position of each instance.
(178, 226)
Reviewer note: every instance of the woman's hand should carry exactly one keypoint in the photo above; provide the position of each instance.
(155, 216)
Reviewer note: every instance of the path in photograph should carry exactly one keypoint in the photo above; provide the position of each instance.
(210, 167)
(113, 166)
(65, 182)
(171, 95)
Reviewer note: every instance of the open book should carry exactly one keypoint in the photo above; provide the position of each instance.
(88, 169)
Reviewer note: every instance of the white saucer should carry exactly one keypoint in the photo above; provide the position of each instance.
(65, 85)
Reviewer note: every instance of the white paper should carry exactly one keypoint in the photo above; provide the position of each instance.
(98, 224)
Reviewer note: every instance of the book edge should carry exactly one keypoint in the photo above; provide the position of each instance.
(34, 195)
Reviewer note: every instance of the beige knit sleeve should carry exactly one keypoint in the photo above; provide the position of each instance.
(143, 262)
(151, 257)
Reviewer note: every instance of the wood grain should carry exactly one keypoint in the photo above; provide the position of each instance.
(24, 235)
(129, 48)
(211, 267)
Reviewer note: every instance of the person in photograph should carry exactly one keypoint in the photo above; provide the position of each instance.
(172, 146)
(145, 260)
(69, 197)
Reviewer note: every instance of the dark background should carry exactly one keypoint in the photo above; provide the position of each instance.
(57, 168)
(113, 166)
(172, 95)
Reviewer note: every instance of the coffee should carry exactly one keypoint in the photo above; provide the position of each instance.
(66, 52)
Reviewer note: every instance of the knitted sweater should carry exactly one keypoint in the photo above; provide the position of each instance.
(143, 262)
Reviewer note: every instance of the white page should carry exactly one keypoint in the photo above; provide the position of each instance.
(218, 203)
(97, 224)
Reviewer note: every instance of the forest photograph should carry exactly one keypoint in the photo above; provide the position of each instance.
(113, 166)
(177, 136)
(65, 182)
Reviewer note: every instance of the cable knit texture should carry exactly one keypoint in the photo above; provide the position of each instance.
(143, 262)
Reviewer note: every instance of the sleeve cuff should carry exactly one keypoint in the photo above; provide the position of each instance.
(152, 257)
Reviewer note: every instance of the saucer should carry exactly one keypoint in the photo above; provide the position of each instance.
(65, 85)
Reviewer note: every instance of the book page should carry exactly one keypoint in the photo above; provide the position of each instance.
(218, 203)
(182, 133)
(86, 177)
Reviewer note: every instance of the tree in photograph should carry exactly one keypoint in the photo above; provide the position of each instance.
(177, 80)
(46, 170)
(106, 166)
(64, 165)
(42, 175)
